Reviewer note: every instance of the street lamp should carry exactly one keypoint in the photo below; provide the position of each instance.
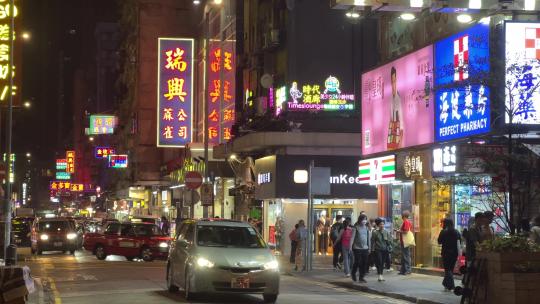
(28, 155)
(26, 36)
(27, 104)
(91, 138)
(407, 16)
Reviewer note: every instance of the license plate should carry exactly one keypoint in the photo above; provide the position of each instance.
(242, 282)
(57, 244)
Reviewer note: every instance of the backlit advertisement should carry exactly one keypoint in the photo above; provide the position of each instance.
(462, 98)
(397, 104)
(522, 85)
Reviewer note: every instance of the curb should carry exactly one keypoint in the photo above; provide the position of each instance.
(393, 295)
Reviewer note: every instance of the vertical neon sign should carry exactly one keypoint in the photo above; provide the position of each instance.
(175, 92)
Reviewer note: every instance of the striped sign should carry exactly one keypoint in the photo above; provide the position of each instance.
(377, 170)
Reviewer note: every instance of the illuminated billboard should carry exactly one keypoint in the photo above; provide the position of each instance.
(462, 97)
(103, 152)
(221, 81)
(397, 104)
(6, 51)
(118, 161)
(175, 92)
(102, 124)
(63, 176)
(522, 85)
(70, 160)
(61, 164)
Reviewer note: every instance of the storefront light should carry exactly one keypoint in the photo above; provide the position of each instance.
(300, 176)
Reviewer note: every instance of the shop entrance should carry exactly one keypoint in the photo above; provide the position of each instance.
(323, 218)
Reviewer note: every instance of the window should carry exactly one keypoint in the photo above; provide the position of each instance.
(112, 229)
(52, 226)
(126, 230)
(189, 233)
(147, 230)
(228, 236)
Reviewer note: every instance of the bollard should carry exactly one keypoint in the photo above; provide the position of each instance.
(11, 255)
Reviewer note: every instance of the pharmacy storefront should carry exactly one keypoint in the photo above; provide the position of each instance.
(283, 188)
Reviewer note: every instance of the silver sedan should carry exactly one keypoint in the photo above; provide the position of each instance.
(221, 256)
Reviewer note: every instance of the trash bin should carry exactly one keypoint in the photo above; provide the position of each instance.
(11, 255)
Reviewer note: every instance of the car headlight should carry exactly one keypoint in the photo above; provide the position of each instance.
(202, 262)
(44, 237)
(273, 265)
(163, 245)
(71, 236)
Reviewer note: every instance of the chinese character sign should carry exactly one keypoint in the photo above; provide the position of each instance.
(102, 124)
(175, 92)
(397, 103)
(6, 51)
(61, 164)
(229, 84)
(462, 99)
(63, 175)
(103, 152)
(522, 85)
(70, 160)
(328, 96)
(445, 159)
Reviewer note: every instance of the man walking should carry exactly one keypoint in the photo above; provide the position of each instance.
(334, 234)
(360, 245)
(301, 237)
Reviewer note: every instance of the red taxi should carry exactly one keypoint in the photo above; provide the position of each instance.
(132, 240)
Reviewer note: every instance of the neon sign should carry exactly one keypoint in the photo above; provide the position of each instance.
(317, 98)
(118, 161)
(175, 92)
(102, 124)
(103, 152)
(63, 176)
(70, 160)
(5, 51)
(61, 164)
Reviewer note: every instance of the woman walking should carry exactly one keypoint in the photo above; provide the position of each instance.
(344, 238)
(450, 239)
(380, 239)
(406, 237)
(292, 237)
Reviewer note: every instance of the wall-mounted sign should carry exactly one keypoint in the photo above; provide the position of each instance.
(70, 161)
(102, 124)
(6, 51)
(175, 92)
(445, 159)
(103, 152)
(59, 186)
(221, 90)
(462, 99)
(377, 170)
(264, 178)
(522, 89)
(11, 167)
(413, 166)
(61, 164)
(315, 97)
(63, 176)
(118, 161)
(397, 103)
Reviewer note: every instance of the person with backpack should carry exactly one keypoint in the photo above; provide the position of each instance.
(360, 246)
(450, 239)
(334, 234)
(292, 237)
(344, 238)
(381, 241)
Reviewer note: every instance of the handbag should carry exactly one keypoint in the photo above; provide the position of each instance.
(408, 239)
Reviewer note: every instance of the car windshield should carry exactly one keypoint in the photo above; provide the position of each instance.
(147, 230)
(19, 226)
(228, 236)
(53, 226)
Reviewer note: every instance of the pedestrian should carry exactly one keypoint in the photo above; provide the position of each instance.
(360, 245)
(165, 225)
(472, 237)
(292, 237)
(344, 238)
(334, 234)
(450, 240)
(301, 237)
(406, 237)
(486, 231)
(371, 257)
(380, 240)
(535, 230)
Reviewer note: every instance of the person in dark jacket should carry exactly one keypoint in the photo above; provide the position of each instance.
(450, 239)
(334, 234)
(292, 237)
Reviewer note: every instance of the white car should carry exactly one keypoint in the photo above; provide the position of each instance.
(221, 256)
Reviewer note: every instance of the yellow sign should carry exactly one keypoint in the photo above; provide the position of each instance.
(6, 51)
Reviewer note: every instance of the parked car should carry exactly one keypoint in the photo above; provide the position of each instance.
(22, 228)
(221, 256)
(131, 240)
(53, 234)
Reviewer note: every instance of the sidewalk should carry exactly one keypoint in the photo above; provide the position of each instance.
(415, 288)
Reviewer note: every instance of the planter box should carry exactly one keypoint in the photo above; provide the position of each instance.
(501, 262)
(505, 286)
